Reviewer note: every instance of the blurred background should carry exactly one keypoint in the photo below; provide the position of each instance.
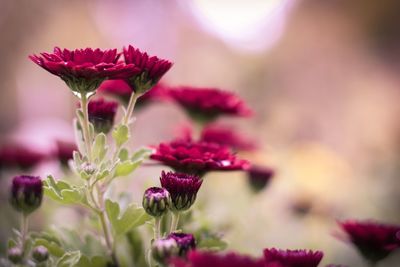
(321, 76)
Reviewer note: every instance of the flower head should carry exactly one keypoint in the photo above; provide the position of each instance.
(197, 258)
(156, 201)
(163, 249)
(40, 253)
(84, 69)
(151, 69)
(64, 151)
(207, 104)
(259, 177)
(374, 241)
(198, 158)
(293, 258)
(182, 187)
(19, 156)
(26, 193)
(186, 242)
(226, 136)
(101, 114)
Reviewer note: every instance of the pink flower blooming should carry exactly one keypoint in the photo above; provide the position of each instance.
(375, 241)
(101, 114)
(19, 156)
(197, 157)
(226, 136)
(207, 259)
(85, 69)
(206, 104)
(182, 187)
(293, 258)
(151, 69)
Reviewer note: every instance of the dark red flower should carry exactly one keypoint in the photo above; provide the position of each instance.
(182, 187)
(186, 242)
(259, 177)
(151, 69)
(207, 259)
(226, 136)
(64, 151)
(26, 193)
(206, 104)
(293, 258)
(197, 157)
(101, 114)
(19, 156)
(375, 241)
(84, 69)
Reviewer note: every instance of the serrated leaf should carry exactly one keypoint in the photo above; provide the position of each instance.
(121, 134)
(141, 154)
(99, 149)
(125, 168)
(132, 217)
(62, 192)
(69, 259)
(53, 248)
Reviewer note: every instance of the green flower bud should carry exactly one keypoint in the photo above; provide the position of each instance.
(163, 249)
(40, 254)
(156, 201)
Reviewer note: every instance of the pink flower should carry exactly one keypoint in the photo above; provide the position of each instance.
(293, 258)
(375, 241)
(151, 69)
(101, 114)
(197, 157)
(207, 104)
(19, 156)
(84, 69)
(26, 193)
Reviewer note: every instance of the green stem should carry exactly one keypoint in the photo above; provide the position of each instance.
(131, 106)
(175, 221)
(157, 228)
(24, 230)
(85, 127)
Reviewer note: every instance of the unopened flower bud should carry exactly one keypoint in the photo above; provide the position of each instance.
(156, 201)
(40, 254)
(15, 255)
(163, 249)
(101, 114)
(185, 242)
(26, 193)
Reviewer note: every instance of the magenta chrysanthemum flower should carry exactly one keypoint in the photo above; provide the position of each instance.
(197, 258)
(375, 241)
(182, 187)
(293, 258)
(206, 104)
(197, 157)
(64, 151)
(19, 156)
(226, 136)
(186, 242)
(151, 69)
(101, 114)
(26, 193)
(84, 69)
(259, 177)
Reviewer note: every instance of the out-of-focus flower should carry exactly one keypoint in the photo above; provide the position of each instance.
(207, 104)
(197, 157)
(85, 69)
(375, 241)
(15, 254)
(226, 136)
(163, 249)
(259, 176)
(151, 69)
(19, 156)
(101, 114)
(293, 258)
(186, 242)
(64, 151)
(198, 258)
(182, 187)
(26, 193)
(156, 201)
(40, 254)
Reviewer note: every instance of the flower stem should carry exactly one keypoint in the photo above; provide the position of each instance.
(157, 228)
(24, 230)
(131, 106)
(175, 221)
(85, 127)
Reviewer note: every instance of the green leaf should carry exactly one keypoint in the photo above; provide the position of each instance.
(210, 241)
(96, 261)
(141, 154)
(125, 168)
(121, 134)
(123, 154)
(62, 192)
(132, 217)
(99, 149)
(11, 243)
(53, 248)
(69, 259)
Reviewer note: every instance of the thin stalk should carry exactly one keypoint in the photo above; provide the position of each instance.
(85, 127)
(157, 228)
(131, 106)
(175, 221)
(24, 230)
